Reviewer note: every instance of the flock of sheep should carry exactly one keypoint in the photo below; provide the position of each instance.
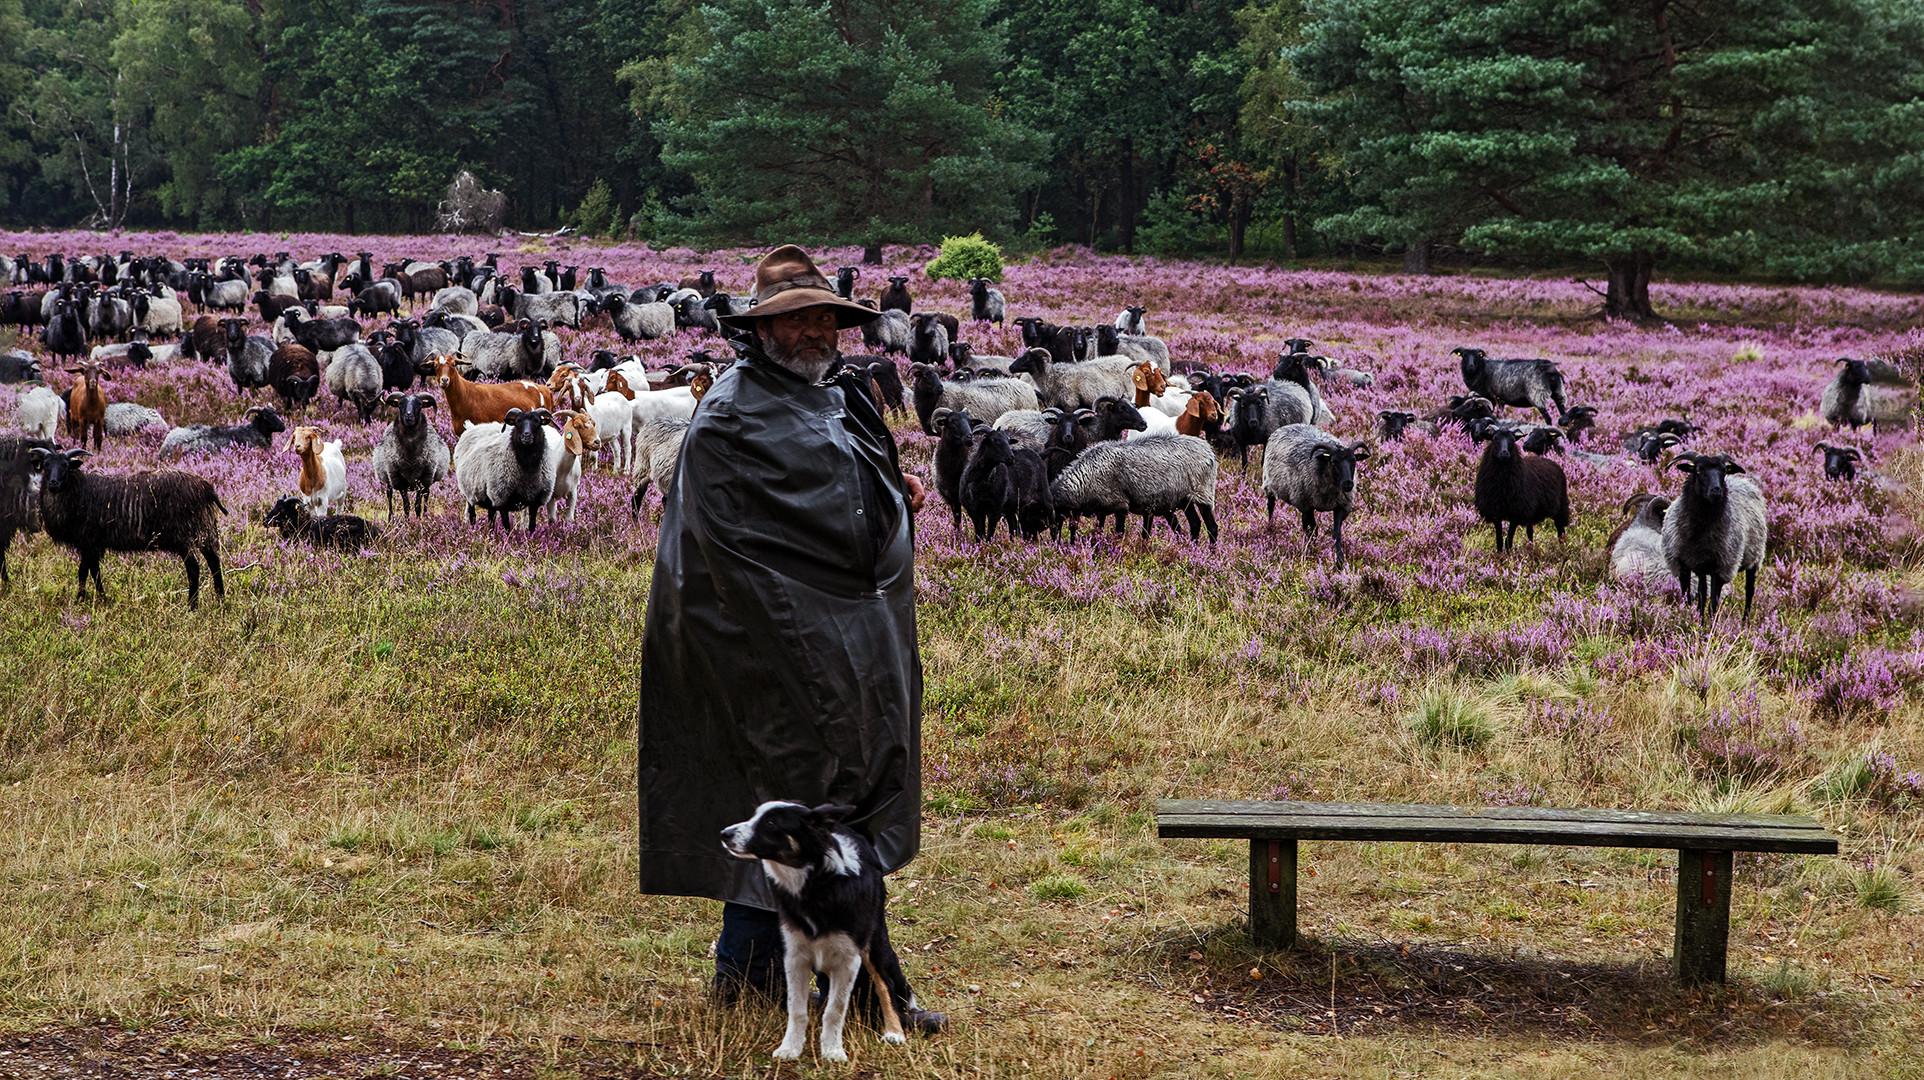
(1097, 421)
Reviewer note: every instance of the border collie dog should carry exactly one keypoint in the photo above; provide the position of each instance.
(829, 895)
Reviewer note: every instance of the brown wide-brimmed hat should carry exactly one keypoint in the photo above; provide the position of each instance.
(786, 280)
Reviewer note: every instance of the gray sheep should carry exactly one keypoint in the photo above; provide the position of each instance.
(257, 432)
(1529, 383)
(425, 342)
(1075, 385)
(528, 352)
(984, 401)
(1311, 471)
(167, 510)
(638, 322)
(458, 299)
(1717, 527)
(247, 355)
(552, 308)
(1109, 420)
(126, 418)
(1156, 476)
(657, 452)
(1857, 397)
(509, 466)
(1636, 548)
(891, 332)
(353, 374)
(411, 455)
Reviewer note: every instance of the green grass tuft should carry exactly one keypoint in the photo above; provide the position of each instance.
(1447, 720)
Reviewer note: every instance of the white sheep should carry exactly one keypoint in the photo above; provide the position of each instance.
(39, 412)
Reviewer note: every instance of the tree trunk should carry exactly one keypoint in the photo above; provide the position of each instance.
(1628, 295)
(1289, 236)
(350, 220)
(871, 254)
(1238, 226)
(1416, 257)
(1127, 220)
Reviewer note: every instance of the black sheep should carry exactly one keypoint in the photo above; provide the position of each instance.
(1840, 462)
(1029, 491)
(888, 384)
(1391, 424)
(1522, 489)
(1068, 437)
(19, 510)
(896, 297)
(18, 367)
(1529, 383)
(293, 374)
(952, 448)
(988, 485)
(1578, 420)
(928, 341)
(345, 531)
(321, 335)
(65, 335)
(845, 281)
(167, 510)
(1248, 421)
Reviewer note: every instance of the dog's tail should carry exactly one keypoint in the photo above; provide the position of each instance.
(890, 986)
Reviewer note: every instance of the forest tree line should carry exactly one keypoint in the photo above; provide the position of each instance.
(1771, 137)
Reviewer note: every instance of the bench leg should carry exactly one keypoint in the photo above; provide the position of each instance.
(1272, 893)
(1703, 917)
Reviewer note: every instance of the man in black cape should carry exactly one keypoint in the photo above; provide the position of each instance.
(779, 656)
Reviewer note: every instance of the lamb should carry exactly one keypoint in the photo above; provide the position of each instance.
(293, 374)
(929, 343)
(985, 303)
(578, 440)
(1717, 526)
(167, 510)
(158, 314)
(247, 355)
(256, 432)
(476, 403)
(1840, 462)
(638, 322)
(353, 374)
(87, 404)
(411, 455)
(1130, 320)
(19, 503)
(509, 466)
(984, 401)
(1155, 476)
(1636, 548)
(124, 418)
(896, 297)
(295, 522)
(891, 333)
(39, 413)
(1531, 383)
(1077, 385)
(323, 467)
(1520, 489)
(1311, 471)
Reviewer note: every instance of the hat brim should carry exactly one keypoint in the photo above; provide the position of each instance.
(847, 312)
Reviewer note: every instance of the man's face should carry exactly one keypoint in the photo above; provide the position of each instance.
(805, 336)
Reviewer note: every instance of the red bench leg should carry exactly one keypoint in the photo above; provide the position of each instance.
(1272, 893)
(1703, 917)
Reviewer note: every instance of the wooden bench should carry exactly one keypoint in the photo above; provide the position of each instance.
(1704, 843)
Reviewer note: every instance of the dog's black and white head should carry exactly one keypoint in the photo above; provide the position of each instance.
(793, 841)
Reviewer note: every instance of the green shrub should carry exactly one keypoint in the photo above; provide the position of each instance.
(591, 218)
(1881, 889)
(1446, 719)
(1058, 887)
(965, 257)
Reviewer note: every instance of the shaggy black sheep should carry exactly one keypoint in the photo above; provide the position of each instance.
(988, 485)
(345, 531)
(1528, 383)
(896, 297)
(1522, 489)
(1840, 462)
(167, 510)
(19, 509)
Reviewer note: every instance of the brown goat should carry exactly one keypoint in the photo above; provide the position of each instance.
(1149, 380)
(1198, 414)
(618, 384)
(481, 403)
(87, 404)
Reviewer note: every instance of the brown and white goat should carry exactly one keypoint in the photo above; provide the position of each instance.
(323, 468)
(481, 403)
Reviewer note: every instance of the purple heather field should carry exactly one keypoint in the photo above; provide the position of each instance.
(1424, 595)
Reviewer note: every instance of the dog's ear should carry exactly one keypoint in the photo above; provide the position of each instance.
(830, 814)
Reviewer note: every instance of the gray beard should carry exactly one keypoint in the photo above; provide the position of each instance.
(813, 371)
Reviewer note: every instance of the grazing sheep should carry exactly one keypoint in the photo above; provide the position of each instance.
(985, 302)
(247, 355)
(1154, 475)
(1528, 383)
(87, 404)
(293, 374)
(19, 503)
(227, 295)
(896, 297)
(167, 510)
(1636, 548)
(323, 467)
(1717, 526)
(984, 401)
(1840, 462)
(125, 418)
(1520, 489)
(456, 299)
(411, 455)
(638, 322)
(354, 375)
(256, 432)
(1311, 471)
(892, 333)
(271, 308)
(39, 413)
(509, 466)
(296, 522)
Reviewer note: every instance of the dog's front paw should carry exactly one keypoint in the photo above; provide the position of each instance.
(834, 1054)
(786, 1052)
(894, 1038)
